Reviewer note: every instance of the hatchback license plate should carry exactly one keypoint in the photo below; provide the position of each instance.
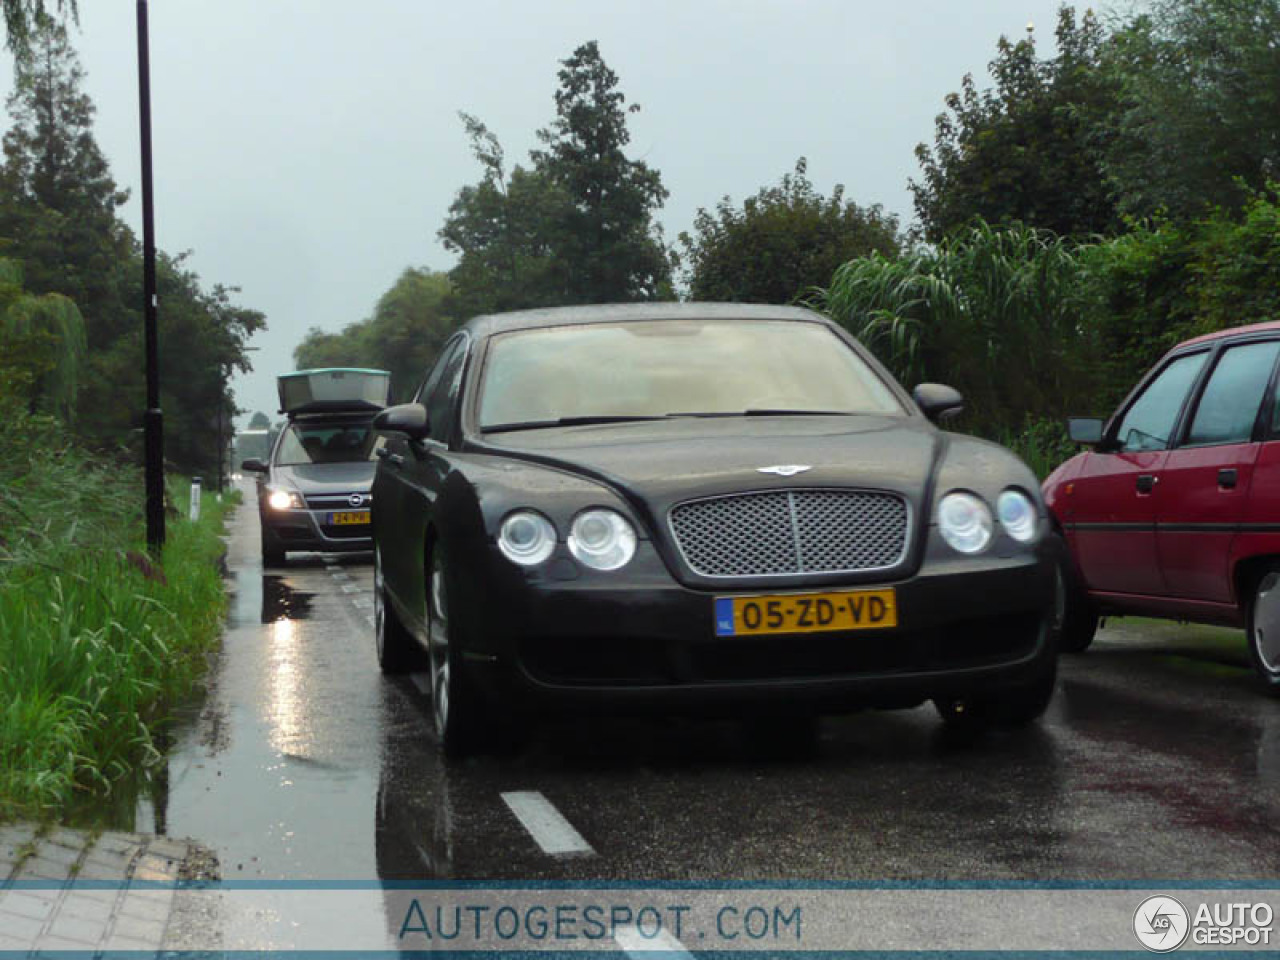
(355, 516)
(807, 613)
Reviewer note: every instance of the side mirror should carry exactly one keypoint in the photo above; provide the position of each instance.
(1086, 430)
(253, 465)
(937, 401)
(407, 418)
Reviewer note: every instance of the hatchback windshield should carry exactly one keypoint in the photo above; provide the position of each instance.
(679, 367)
(325, 443)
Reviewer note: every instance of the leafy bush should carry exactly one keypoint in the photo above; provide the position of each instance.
(1000, 314)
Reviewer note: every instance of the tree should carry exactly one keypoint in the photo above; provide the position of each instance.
(782, 242)
(409, 325)
(610, 246)
(20, 16)
(575, 227)
(58, 201)
(58, 215)
(1026, 151)
(259, 421)
(43, 346)
(504, 230)
(1199, 119)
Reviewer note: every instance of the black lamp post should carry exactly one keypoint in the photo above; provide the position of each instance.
(153, 419)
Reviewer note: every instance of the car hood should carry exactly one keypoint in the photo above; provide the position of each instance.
(664, 462)
(326, 477)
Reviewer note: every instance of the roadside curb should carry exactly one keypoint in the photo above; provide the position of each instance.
(65, 889)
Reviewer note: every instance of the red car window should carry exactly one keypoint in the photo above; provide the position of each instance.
(1230, 402)
(1147, 424)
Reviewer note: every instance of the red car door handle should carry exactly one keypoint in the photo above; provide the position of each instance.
(1227, 478)
(1146, 482)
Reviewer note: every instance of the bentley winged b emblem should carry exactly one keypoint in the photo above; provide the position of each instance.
(785, 469)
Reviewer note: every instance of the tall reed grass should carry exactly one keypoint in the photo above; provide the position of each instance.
(96, 642)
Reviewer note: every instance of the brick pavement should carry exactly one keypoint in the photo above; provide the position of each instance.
(67, 889)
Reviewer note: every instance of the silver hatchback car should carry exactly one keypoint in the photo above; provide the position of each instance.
(313, 490)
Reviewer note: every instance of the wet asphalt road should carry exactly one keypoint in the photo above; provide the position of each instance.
(1158, 760)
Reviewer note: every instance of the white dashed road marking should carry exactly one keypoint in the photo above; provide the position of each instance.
(350, 588)
(548, 827)
(636, 944)
(364, 603)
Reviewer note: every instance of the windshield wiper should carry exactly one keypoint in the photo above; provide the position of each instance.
(567, 422)
(767, 413)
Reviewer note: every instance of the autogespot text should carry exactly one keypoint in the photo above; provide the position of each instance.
(566, 922)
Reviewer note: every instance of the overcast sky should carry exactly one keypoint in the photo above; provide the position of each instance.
(307, 151)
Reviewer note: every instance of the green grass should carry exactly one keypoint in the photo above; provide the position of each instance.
(96, 643)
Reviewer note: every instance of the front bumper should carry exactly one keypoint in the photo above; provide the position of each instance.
(559, 636)
(310, 530)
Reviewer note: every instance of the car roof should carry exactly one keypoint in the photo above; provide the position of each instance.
(1232, 332)
(492, 323)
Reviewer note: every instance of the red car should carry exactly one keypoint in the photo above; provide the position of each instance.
(1175, 511)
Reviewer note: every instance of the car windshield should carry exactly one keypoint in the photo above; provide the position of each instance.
(326, 443)
(653, 369)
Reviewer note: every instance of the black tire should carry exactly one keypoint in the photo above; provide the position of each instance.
(398, 651)
(1264, 630)
(1076, 619)
(459, 714)
(1011, 707)
(273, 555)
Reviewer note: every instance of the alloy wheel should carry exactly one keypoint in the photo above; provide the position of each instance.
(438, 624)
(1265, 627)
(379, 607)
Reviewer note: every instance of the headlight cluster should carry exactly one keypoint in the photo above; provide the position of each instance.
(278, 499)
(966, 523)
(600, 539)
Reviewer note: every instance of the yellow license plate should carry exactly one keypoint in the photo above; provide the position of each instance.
(356, 516)
(807, 612)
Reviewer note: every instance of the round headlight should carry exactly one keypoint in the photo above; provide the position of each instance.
(526, 538)
(602, 539)
(964, 522)
(1017, 515)
(280, 500)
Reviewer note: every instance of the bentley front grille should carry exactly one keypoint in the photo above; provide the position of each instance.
(792, 532)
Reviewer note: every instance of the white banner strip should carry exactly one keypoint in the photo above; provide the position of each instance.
(677, 921)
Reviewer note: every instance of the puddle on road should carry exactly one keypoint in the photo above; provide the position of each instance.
(139, 803)
(282, 602)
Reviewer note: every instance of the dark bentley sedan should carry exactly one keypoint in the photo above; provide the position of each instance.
(691, 507)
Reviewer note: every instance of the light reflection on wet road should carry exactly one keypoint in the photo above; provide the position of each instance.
(1158, 759)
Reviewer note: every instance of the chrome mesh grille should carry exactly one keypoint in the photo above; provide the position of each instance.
(782, 532)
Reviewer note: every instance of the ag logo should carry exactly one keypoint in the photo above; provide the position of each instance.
(1161, 924)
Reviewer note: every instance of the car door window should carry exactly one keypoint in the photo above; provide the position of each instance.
(442, 393)
(1148, 424)
(1229, 405)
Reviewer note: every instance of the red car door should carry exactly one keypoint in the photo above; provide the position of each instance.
(1205, 483)
(1113, 500)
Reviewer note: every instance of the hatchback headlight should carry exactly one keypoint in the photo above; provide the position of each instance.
(1017, 515)
(279, 499)
(526, 538)
(964, 522)
(602, 539)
